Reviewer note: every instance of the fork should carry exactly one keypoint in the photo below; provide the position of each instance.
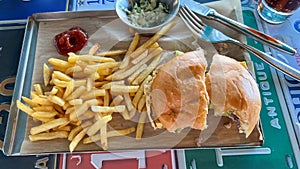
(207, 33)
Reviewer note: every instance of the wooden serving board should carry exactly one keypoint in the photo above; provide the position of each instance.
(105, 28)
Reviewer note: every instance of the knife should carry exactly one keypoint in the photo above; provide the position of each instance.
(257, 35)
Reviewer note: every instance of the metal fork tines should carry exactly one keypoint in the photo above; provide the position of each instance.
(207, 33)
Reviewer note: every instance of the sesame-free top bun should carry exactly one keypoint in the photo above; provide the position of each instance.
(179, 97)
(233, 92)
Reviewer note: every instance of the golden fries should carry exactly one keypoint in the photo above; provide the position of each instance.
(112, 53)
(108, 109)
(140, 126)
(152, 40)
(47, 126)
(98, 124)
(24, 108)
(81, 94)
(76, 140)
(131, 48)
(49, 136)
(46, 74)
(109, 134)
(123, 89)
(147, 71)
(94, 49)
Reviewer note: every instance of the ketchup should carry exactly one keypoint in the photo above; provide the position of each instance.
(71, 40)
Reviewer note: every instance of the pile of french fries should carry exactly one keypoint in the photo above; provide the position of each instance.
(84, 91)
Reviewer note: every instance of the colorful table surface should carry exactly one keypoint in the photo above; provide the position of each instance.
(276, 153)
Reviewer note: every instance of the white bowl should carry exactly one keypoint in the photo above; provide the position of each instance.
(173, 8)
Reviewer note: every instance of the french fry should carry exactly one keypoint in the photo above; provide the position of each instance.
(29, 102)
(147, 71)
(106, 99)
(47, 126)
(105, 72)
(112, 53)
(135, 74)
(77, 129)
(128, 102)
(38, 89)
(61, 69)
(59, 63)
(132, 113)
(108, 65)
(103, 137)
(152, 40)
(100, 84)
(140, 57)
(54, 91)
(75, 102)
(73, 70)
(154, 45)
(59, 83)
(117, 100)
(33, 94)
(56, 100)
(24, 108)
(79, 110)
(70, 110)
(82, 63)
(49, 136)
(131, 48)
(66, 106)
(76, 93)
(131, 70)
(73, 58)
(74, 132)
(93, 129)
(123, 89)
(141, 103)
(43, 108)
(76, 140)
(108, 109)
(42, 114)
(108, 85)
(93, 94)
(78, 83)
(58, 109)
(86, 115)
(46, 74)
(42, 101)
(60, 92)
(61, 76)
(64, 128)
(44, 120)
(125, 114)
(140, 91)
(94, 49)
(69, 89)
(113, 133)
(92, 102)
(140, 126)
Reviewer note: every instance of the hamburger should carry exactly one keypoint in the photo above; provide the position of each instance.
(182, 91)
(233, 92)
(179, 96)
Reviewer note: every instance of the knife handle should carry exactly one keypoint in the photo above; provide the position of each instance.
(257, 35)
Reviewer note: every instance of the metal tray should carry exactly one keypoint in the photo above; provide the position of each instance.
(41, 26)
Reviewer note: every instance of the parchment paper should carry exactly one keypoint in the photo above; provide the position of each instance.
(110, 32)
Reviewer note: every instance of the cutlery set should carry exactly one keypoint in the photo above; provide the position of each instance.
(188, 13)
